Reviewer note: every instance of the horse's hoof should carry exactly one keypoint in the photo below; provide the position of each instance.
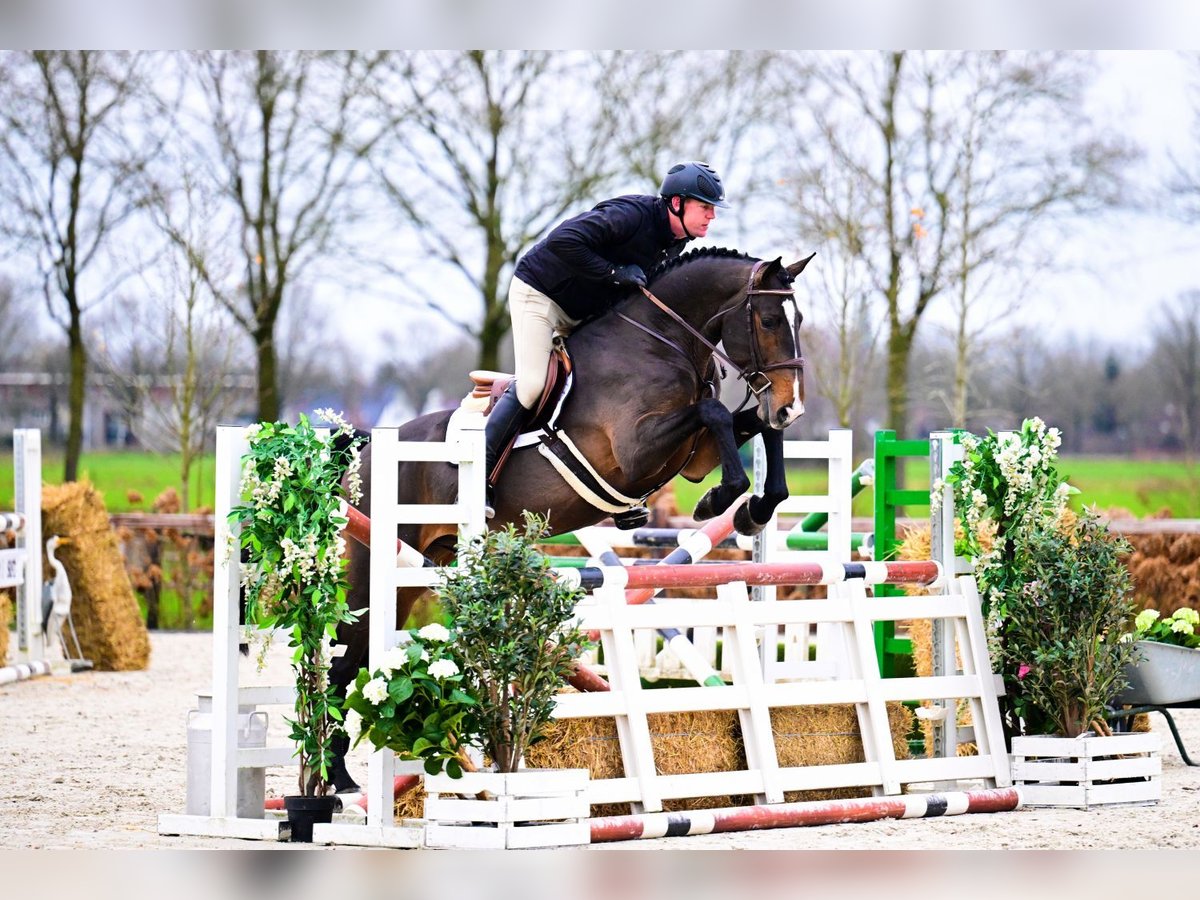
(631, 518)
(709, 505)
(744, 523)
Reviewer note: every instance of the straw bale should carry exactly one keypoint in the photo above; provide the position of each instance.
(682, 743)
(6, 614)
(1184, 549)
(411, 804)
(104, 609)
(829, 735)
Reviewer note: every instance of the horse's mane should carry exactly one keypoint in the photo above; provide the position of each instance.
(693, 255)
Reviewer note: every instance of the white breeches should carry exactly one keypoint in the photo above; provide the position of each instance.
(535, 320)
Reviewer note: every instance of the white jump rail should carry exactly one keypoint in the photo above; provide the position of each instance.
(752, 695)
(21, 566)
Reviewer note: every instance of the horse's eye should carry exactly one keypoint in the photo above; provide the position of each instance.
(770, 322)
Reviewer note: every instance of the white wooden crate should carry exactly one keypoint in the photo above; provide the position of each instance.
(1083, 772)
(530, 808)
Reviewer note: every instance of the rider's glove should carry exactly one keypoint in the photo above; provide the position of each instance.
(629, 276)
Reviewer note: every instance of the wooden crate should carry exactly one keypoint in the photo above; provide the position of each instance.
(1083, 772)
(530, 808)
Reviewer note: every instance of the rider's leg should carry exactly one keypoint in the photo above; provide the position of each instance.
(535, 320)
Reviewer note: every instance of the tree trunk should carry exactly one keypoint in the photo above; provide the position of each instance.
(268, 390)
(75, 397)
(899, 351)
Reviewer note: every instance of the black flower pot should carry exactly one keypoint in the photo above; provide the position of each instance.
(304, 812)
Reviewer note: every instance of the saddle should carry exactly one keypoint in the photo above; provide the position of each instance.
(487, 386)
(627, 512)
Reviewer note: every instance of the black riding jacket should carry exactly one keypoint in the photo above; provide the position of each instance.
(573, 264)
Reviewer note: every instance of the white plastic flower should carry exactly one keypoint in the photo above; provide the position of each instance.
(375, 690)
(1179, 626)
(392, 660)
(443, 668)
(353, 724)
(1188, 615)
(434, 632)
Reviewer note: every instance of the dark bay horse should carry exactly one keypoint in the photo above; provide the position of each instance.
(643, 410)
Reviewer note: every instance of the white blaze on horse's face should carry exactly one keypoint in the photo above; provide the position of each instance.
(783, 402)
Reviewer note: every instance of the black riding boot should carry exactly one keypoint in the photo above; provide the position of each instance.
(503, 424)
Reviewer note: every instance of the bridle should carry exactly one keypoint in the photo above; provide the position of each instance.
(755, 368)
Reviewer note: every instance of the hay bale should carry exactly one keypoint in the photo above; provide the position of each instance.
(1184, 549)
(103, 609)
(829, 735)
(682, 742)
(6, 615)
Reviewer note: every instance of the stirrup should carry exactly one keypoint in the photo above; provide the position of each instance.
(631, 518)
(489, 507)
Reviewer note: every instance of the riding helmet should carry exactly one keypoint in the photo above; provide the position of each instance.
(696, 180)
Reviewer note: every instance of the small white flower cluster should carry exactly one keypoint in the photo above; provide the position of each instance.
(352, 723)
(434, 632)
(302, 555)
(262, 494)
(333, 418)
(353, 478)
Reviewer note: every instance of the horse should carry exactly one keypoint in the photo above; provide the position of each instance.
(643, 409)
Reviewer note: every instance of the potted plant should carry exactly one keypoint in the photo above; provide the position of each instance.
(487, 682)
(414, 702)
(1065, 624)
(293, 572)
(1034, 557)
(1166, 667)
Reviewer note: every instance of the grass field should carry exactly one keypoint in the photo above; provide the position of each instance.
(116, 474)
(1143, 487)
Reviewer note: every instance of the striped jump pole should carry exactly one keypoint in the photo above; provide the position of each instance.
(358, 527)
(692, 547)
(643, 581)
(796, 539)
(10, 521)
(795, 815)
(685, 651)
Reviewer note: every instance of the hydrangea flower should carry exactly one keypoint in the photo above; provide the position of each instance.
(375, 690)
(443, 668)
(434, 632)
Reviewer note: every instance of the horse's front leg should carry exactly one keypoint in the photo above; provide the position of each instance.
(754, 515)
(719, 421)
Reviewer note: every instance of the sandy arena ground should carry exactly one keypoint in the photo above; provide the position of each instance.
(90, 760)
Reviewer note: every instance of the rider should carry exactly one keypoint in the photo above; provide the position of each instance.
(584, 266)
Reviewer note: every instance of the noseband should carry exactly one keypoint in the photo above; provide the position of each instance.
(755, 368)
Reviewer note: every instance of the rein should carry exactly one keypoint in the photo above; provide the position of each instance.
(755, 368)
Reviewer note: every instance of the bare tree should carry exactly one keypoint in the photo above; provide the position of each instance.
(1176, 353)
(170, 355)
(18, 325)
(285, 137)
(68, 153)
(490, 149)
(716, 106)
(896, 121)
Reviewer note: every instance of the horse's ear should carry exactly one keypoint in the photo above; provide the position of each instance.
(797, 267)
(773, 266)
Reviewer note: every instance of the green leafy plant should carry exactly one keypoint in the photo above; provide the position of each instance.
(293, 569)
(1054, 589)
(516, 636)
(1064, 630)
(414, 702)
(1178, 629)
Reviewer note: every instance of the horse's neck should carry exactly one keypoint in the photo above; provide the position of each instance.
(695, 306)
